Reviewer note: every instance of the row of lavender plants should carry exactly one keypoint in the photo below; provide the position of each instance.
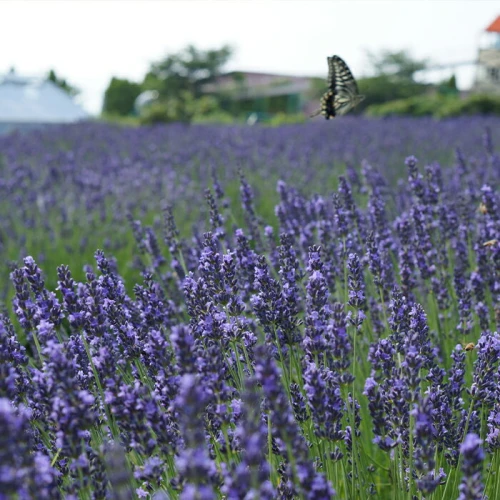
(65, 191)
(349, 350)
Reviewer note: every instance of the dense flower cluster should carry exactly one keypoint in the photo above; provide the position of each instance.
(68, 190)
(346, 347)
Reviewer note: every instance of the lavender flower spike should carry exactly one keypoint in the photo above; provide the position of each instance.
(471, 487)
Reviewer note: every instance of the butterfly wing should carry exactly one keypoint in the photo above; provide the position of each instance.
(327, 108)
(342, 104)
(340, 76)
(342, 94)
(330, 81)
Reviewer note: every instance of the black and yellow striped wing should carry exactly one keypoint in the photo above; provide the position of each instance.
(340, 78)
(342, 94)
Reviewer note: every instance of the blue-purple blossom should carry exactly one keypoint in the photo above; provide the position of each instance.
(324, 401)
(197, 470)
(471, 487)
(424, 448)
(22, 472)
(356, 286)
(381, 423)
(312, 483)
(251, 477)
(484, 386)
(493, 436)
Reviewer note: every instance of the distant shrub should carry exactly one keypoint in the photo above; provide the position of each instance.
(478, 104)
(120, 96)
(385, 88)
(412, 106)
(438, 106)
(185, 108)
(157, 112)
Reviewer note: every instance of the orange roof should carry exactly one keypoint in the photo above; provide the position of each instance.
(494, 27)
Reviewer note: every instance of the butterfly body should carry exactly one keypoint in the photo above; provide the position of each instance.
(342, 94)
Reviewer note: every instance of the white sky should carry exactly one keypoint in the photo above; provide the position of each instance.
(89, 41)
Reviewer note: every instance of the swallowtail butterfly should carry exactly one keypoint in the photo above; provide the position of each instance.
(342, 94)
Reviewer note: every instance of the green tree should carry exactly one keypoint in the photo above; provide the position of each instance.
(393, 78)
(448, 87)
(120, 96)
(179, 80)
(187, 70)
(182, 108)
(398, 64)
(62, 84)
(381, 89)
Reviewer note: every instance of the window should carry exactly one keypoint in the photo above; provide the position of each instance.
(494, 74)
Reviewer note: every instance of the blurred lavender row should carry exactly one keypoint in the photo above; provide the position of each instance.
(64, 178)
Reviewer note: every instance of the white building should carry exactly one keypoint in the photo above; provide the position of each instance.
(29, 102)
(488, 65)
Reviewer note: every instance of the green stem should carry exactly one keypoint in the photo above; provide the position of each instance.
(109, 417)
(411, 483)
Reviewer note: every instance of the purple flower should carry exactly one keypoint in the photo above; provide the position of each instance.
(216, 220)
(251, 477)
(424, 448)
(318, 310)
(339, 345)
(471, 487)
(324, 401)
(399, 320)
(456, 378)
(250, 215)
(117, 471)
(348, 202)
(312, 483)
(425, 253)
(463, 292)
(377, 402)
(415, 177)
(340, 217)
(268, 304)
(493, 436)
(70, 406)
(356, 285)
(13, 378)
(151, 472)
(381, 356)
(22, 472)
(196, 469)
(246, 259)
(171, 239)
(484, 383)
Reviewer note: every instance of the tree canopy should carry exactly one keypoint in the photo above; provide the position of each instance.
(399, 64)
(393, 78)
(186, 70)
(178, 79)
(120, 96)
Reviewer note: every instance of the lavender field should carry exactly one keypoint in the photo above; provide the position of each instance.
(209, 312)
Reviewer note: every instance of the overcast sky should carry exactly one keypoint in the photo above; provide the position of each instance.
(89, 41)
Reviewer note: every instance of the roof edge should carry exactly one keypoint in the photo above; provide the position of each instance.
(494, 27)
